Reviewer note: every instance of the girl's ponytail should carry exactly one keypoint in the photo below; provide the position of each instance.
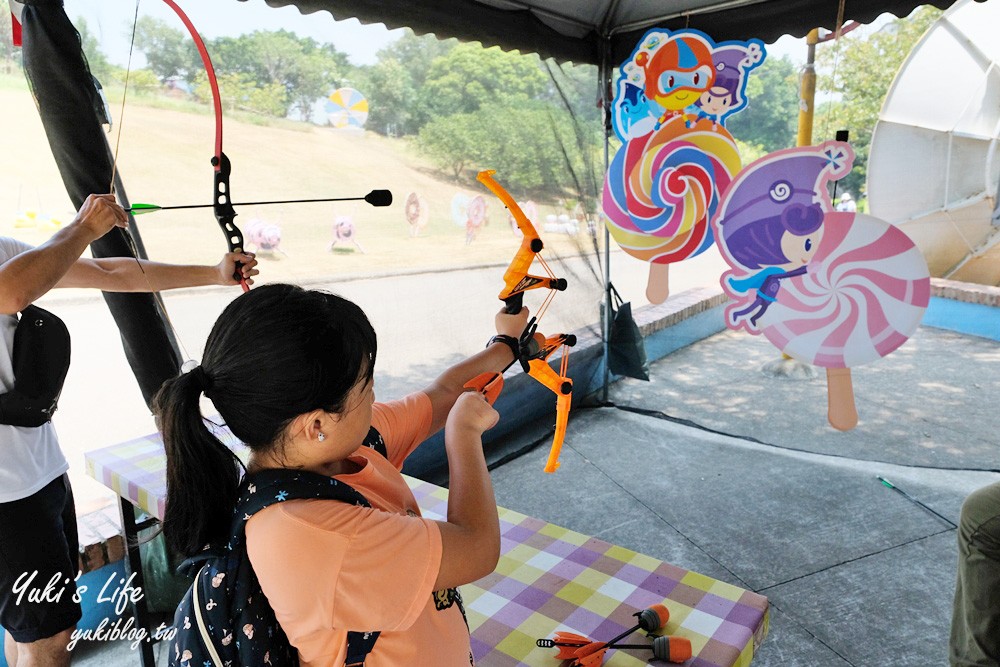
(203, 475)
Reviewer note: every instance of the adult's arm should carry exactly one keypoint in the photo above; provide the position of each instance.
(126, 274)
(29, 275)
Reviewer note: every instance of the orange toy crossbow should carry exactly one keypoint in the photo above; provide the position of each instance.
(535, 348)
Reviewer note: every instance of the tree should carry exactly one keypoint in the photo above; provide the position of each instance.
(525, 143)
(770, 119)
(241, 92)
(469, 78)
(96, 60)
(169, 52)
(305, 69)
(394, 84)
(859, 72)
(577, 130)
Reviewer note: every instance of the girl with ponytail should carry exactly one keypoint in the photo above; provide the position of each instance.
(290, 371)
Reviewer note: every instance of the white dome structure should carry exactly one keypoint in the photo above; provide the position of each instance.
(934, 162)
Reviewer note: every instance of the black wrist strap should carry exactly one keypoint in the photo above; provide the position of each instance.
(511, 342)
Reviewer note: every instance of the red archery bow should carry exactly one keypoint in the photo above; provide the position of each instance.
(222, 203)
(536, 349)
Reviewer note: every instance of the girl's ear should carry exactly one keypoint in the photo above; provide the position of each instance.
(309, 425)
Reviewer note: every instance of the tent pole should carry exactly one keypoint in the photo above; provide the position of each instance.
(604, 74)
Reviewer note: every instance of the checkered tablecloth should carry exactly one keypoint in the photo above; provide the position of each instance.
(548, 579)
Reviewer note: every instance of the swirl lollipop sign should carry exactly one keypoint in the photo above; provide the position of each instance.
(832, 289)
(662, 187)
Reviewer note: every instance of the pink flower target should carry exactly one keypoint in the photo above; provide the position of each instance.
(835, 290)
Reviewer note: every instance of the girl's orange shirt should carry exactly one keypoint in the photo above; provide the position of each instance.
(328, 567)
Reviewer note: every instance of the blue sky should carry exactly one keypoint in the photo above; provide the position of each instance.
(111, 20)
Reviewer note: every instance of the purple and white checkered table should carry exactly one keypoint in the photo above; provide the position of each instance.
(548, 579)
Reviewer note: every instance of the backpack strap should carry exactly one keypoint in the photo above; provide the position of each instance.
(203, 632)
(375, 441)
(269, 487)
(359, 645)
(40, 361)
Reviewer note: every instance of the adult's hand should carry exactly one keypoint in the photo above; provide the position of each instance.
(100, 214)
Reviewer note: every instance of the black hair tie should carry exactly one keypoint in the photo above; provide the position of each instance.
(202, 378)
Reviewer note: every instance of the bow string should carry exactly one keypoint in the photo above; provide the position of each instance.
(535, 348)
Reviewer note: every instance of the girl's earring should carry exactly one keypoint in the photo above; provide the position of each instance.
(321, 437)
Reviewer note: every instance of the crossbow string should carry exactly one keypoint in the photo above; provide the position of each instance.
(535, 348)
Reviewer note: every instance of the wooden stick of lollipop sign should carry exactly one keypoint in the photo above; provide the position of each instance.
(832, 289)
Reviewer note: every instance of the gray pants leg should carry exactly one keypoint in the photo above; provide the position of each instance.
(975, 624)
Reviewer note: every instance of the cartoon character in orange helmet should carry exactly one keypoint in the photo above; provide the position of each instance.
(677, 73)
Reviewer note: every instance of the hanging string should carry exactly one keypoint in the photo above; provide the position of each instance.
(121, 115)
(836, 63)
(126, 234)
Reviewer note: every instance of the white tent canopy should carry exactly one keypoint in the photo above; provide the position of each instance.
(934, 162)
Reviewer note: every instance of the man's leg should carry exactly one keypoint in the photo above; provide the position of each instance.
(38, 545)
(9, 650)
(975, 623)
(50, 651)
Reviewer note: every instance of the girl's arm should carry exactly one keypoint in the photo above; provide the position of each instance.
(791, 274)
(470, 539)
(125, 274)
(446, 389)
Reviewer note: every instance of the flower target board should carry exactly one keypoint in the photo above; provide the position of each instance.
(346, 108)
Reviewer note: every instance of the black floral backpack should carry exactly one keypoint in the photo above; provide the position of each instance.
(224, 620)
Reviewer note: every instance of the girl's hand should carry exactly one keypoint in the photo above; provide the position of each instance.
(471, 415)
(511, 325)
(227, 267)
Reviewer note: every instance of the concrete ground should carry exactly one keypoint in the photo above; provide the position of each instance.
(721, 468)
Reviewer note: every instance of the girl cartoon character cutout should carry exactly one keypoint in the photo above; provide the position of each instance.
(770, 225)
(827, 288)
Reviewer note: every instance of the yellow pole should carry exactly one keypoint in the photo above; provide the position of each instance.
(807, 99)
(807, 92)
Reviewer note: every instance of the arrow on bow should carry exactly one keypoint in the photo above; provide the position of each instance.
(535, 348)
(375, 198)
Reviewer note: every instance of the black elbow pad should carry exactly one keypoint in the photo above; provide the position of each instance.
(40, 361)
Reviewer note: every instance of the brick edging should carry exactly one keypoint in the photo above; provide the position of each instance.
(986, 295)
(101, 539)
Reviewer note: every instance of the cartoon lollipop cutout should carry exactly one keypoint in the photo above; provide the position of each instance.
(831, 289)
(663, 184)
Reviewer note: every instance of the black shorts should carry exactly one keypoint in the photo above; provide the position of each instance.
(38, 534)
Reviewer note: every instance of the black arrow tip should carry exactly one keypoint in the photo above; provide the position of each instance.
(379, 197)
